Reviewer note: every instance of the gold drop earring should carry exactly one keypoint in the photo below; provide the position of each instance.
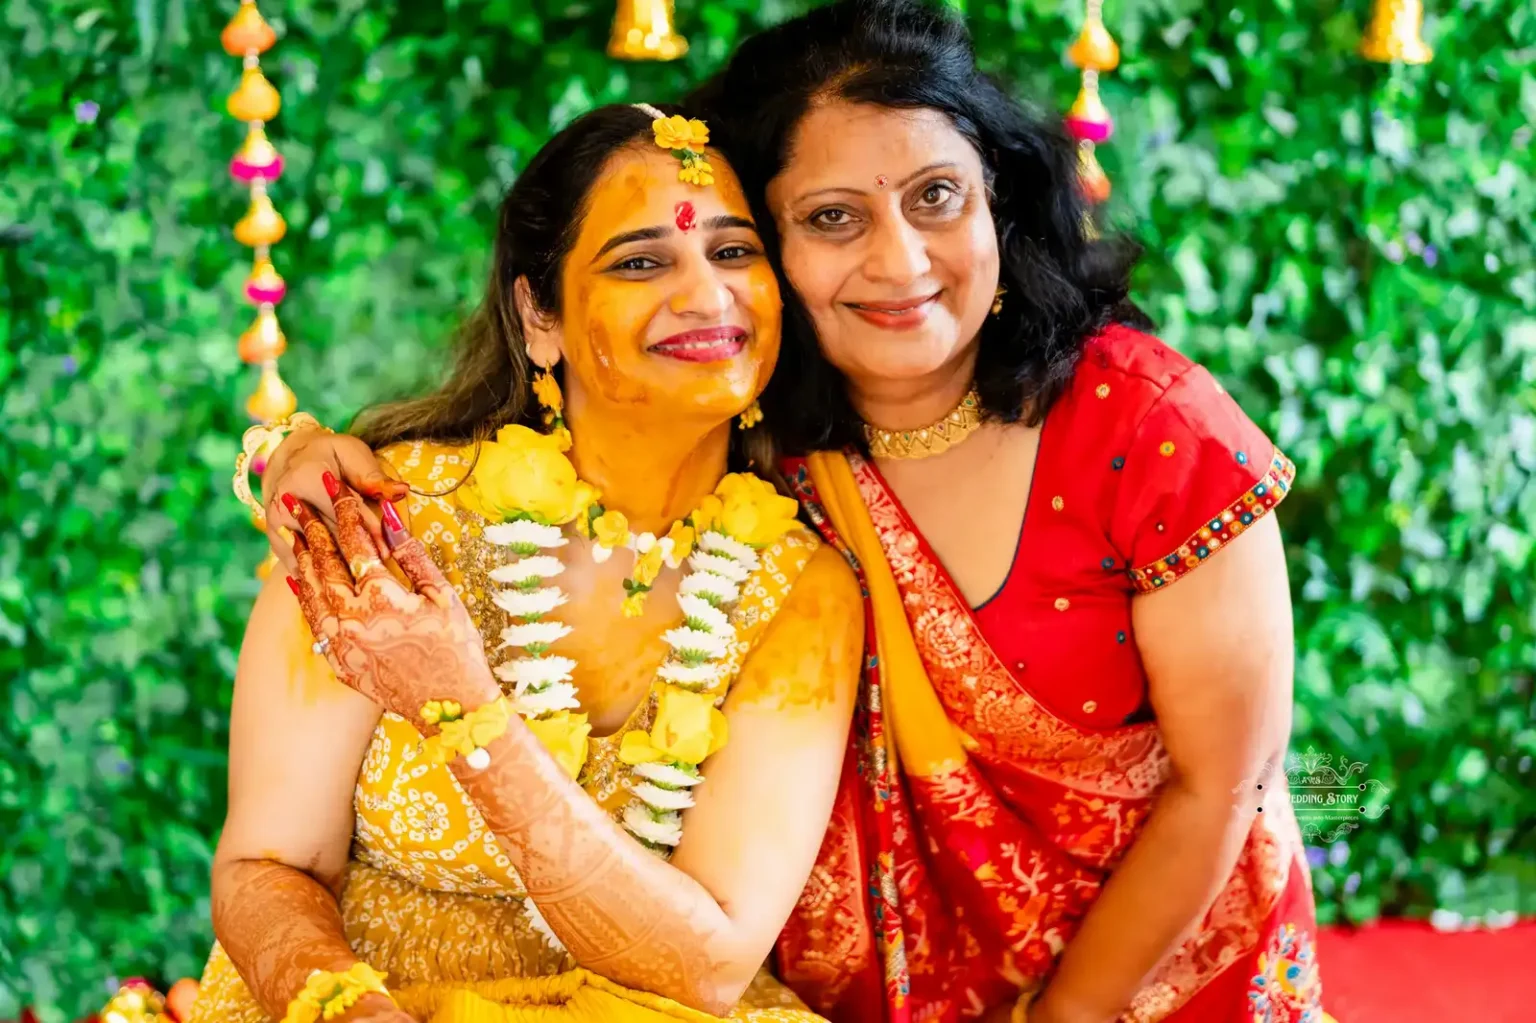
(547, 390)
(750, 417)
(997, 300)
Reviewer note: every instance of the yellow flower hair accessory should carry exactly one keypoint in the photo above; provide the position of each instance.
(461, 734)
(327, 995)
(686, 139)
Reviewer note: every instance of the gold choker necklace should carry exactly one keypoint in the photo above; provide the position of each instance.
(934, 439)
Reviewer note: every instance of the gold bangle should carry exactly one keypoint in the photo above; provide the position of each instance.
(327, 995)
(264, 437)
(1020, 1012)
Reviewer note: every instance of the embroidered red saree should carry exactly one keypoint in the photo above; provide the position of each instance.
(982, 808)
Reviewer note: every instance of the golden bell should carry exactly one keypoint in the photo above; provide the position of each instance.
(1095, 49)
(262, 224)
(642, 30)
(264, 340)
(272, 398)
(256, 99)
(1394, 33)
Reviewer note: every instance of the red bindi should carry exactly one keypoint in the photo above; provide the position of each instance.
(685, 216)
(880, 181)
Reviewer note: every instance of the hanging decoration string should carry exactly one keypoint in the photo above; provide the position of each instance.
(1093, 52)
(256, 165)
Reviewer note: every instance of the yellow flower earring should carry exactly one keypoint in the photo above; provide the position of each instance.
(750, 417)
(547, 390)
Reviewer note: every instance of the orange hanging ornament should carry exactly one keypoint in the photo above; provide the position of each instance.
(247, 32)
(264, 340)
(1095, 49)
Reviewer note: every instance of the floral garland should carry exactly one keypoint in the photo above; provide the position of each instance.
(527, 489)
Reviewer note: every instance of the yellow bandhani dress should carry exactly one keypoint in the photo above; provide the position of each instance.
(430, 897)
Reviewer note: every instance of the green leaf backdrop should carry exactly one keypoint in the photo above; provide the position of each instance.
(1348, 246)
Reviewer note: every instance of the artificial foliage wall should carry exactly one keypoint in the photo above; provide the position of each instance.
(1347, 245)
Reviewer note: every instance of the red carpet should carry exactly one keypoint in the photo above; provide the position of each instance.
(1401, 972)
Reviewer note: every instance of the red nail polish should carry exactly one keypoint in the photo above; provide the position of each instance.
(332, 485)
(292, 504)
(291, 584)
(391, 518)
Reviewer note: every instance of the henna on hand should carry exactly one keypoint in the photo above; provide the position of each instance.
(397, 647)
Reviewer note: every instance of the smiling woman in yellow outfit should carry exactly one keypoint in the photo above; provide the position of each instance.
(594, 713)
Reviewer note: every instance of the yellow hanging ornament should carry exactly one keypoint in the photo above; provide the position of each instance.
(1095, 49)
(272, 398)
(256, 99)
(642, 30)
(262, 224)
(1395, 33)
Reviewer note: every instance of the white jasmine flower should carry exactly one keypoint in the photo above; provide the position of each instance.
(707, 583)
(479, 758)
(529, 633)
(524, 569)
(528, 605)
(706, 614)
(694, 640)
(703, 561)
(667, 774)
(662, 799)
(667, 831)
(534, 672)
(534, 703)
(719, 543)
(668, 545)
(600, 553)
(696, 676)
(505, 534)
(643, 542)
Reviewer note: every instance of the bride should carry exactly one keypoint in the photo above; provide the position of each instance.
(571, 755)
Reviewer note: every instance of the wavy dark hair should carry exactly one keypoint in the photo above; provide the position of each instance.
(1064, 281)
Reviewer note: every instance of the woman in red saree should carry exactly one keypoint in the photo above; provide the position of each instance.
(1061, 802)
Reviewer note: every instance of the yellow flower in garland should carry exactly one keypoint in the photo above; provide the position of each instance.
(436, 711)
(678, 132)
(524, 472)
(682, 536)
(564, 735)
(611, 529)
(697, 172)
(754, 512)
(459, 737)
(634, 605)
(689, 728)
(707, 515)
(648, 566)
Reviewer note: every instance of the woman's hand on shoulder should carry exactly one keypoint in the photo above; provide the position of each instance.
(400, 647)
(298, 467)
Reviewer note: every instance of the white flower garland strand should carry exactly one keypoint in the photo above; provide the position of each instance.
(542, 681)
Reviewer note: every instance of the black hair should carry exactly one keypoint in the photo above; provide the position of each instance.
(1064, 281)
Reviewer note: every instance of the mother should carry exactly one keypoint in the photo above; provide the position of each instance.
(1062, 789)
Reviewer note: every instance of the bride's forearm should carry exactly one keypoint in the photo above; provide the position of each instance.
(619, 910)
(278, 924)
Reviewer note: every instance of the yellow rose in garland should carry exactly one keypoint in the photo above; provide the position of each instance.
(565, 736)
(689, 728)
(753, 511)
(523, 473)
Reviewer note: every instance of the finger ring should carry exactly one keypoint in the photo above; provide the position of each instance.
(362, 566)
(321, 645)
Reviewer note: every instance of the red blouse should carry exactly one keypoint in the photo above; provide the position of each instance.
(1145, 468)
